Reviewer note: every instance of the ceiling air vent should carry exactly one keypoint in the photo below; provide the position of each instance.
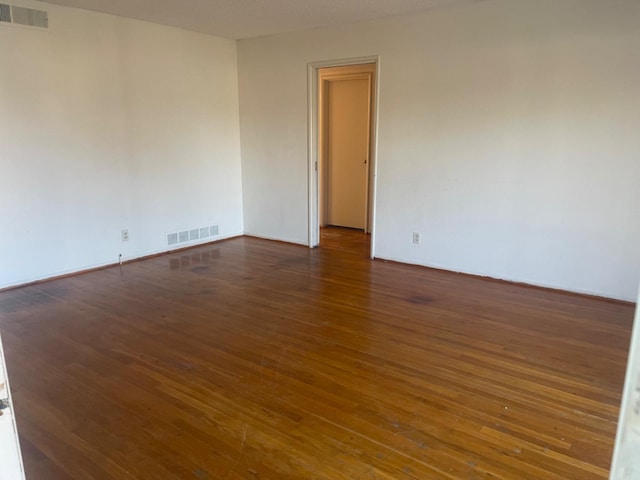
(23, 16)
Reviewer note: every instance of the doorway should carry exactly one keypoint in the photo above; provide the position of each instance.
(342, 147)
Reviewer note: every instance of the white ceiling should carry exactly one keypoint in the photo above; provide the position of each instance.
(253, 18)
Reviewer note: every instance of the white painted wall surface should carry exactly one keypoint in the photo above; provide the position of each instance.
(508, 137)
(626, 457)
(106, 124)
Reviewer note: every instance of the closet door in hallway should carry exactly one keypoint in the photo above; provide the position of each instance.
(347, 134)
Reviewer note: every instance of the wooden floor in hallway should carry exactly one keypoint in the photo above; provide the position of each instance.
(252, 359)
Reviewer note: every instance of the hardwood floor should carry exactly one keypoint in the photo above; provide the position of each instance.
(251, 359)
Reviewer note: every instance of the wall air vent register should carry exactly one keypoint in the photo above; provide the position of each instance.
(12, 14)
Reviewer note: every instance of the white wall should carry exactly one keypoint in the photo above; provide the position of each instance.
(106, 124)
(508, 136)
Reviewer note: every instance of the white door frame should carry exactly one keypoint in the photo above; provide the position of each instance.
(11, 467)
(625, 463)
(313, 110)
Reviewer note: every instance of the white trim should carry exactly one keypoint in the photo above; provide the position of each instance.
(11, 466)
(274, 239)
(625, 463)
(312, 145)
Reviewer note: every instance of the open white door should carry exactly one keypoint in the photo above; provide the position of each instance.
(10, 459)
(626, 456)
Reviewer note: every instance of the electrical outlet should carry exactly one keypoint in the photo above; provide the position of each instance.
(416, 238)
(125, 235)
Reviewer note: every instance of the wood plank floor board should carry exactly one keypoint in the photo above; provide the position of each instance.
(252, 359)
